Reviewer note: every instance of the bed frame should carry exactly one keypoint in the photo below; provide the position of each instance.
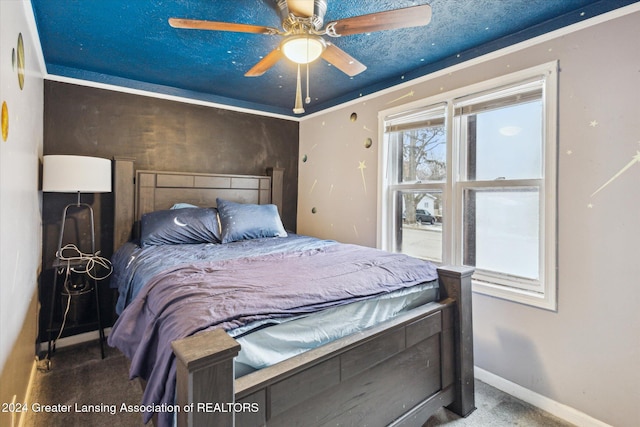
(397, 373)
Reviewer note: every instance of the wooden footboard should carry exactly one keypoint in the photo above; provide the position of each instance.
(397, 373)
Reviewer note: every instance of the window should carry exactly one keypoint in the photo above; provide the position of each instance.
(469, 178)
(417, 171)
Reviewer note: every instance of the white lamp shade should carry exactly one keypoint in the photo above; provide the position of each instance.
(73, 174)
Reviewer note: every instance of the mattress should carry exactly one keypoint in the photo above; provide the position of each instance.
(263, 347)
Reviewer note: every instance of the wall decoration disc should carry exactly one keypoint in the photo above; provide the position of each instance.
(20, 61)
(5, 121)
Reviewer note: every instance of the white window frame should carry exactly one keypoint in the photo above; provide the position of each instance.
(544, 293)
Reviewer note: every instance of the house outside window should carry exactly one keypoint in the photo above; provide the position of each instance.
(469, 178)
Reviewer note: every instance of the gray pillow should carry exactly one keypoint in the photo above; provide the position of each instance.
(178, 226)
(244, 221)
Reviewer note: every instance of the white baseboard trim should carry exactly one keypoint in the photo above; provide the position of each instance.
(565, 412)
(76, 339)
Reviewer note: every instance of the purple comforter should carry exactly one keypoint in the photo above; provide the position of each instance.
(227, 294)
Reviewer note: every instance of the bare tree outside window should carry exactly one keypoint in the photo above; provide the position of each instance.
(424, 160)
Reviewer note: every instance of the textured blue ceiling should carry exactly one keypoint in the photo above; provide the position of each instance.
(130, 44)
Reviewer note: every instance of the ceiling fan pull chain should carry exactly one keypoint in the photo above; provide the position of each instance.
(298, 108)
(308, 98)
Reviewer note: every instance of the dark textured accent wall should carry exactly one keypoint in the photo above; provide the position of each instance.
(160, 135)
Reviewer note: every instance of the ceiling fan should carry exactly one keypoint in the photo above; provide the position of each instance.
(302, 24)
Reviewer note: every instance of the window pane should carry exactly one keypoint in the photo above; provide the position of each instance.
(423, 153)
(501, 231)
(505, 143)
(419, 233)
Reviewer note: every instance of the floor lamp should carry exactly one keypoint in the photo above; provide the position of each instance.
(75, 174)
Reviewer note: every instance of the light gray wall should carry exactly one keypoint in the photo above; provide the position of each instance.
(586, 355)
(20, 201)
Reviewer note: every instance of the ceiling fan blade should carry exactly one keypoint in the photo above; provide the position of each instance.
(196, 24)
(265, 63)
(342, 60)
(413, 16)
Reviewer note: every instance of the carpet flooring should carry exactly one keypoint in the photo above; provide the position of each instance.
(78, 376)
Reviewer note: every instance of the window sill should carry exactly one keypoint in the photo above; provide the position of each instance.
(545, 300)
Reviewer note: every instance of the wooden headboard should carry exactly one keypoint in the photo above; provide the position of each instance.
(143, 191)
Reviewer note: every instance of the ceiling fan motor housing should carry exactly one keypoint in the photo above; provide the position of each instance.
(291, 22)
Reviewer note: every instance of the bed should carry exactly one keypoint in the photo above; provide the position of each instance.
(236, 365)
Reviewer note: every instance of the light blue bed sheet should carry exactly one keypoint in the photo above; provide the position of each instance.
(289, 337)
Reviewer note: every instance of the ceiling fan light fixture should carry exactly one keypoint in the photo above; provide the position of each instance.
(303, 49)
